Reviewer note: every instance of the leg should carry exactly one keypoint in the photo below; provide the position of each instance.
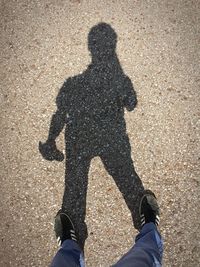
(148, 248)
(69, 255)
(75, 192)
(117, 161)
(147, 251)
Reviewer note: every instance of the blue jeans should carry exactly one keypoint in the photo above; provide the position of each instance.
(146, 252)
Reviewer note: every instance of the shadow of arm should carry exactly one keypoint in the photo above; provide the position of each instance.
(59, 117)
(129, 97)
(48, 149)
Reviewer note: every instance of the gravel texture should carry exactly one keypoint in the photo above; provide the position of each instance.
(43, 52)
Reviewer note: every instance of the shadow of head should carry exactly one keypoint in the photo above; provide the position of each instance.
(102, 40)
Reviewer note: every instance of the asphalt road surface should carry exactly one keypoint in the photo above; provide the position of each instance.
(45, 44)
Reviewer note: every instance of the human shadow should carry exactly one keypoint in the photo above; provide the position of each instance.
(91, 107)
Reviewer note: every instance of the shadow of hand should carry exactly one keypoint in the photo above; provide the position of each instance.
(50, 152)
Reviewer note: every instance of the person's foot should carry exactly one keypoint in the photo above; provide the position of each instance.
(64, 228)
(149, 209)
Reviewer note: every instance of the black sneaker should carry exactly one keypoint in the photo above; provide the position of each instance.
(149, 209)
(64, 228)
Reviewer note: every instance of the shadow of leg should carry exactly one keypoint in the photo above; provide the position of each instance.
(74, 199)
(119, 165)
